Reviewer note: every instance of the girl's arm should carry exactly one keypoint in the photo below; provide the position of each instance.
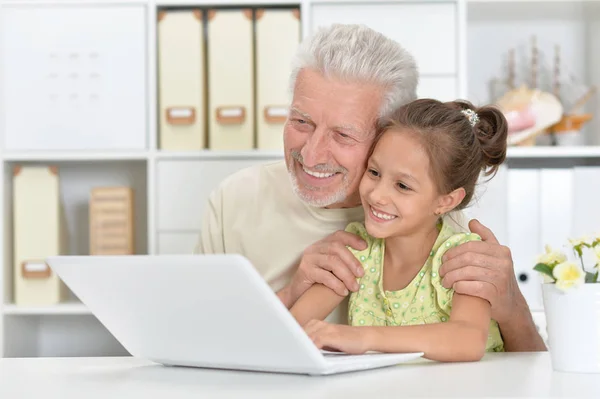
(462, 338)
(315, 304)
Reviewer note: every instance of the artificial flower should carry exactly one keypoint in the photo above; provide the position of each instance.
(597, 252)
(568, 275)
(551, 257)
(581, 241)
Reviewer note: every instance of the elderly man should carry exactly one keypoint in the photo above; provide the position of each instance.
(288, 217)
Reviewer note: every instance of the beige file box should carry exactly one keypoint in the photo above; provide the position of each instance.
(231, 77)
(37, 233)
(277, 37)
(111, 221)
(181, 87)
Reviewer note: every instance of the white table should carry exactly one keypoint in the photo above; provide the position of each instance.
(497, 375)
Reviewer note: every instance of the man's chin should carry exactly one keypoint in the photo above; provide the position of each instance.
(318, 198)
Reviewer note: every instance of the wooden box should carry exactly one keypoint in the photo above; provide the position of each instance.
(111, 221)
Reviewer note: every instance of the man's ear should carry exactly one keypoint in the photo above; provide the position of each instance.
(448, 202)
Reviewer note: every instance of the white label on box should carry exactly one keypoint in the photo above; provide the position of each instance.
(35, 267)
(231, 112)
(277, 111)
(180, 112)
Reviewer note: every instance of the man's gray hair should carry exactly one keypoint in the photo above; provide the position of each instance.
(357, 53)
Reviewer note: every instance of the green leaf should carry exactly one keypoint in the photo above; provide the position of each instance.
(544, 269)
(591, 277)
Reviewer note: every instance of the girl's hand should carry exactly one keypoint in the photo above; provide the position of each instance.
(348, 339)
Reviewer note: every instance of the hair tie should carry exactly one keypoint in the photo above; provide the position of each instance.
(471, 116)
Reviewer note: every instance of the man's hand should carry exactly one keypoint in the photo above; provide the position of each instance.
(328, 262)
(483, 269)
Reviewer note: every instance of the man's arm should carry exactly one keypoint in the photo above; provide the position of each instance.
(328, 262)
(485, 269)
(211, 239)
(520, 333)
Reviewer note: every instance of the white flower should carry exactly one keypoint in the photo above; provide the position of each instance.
(580, 241)
(568, 275)
(597, 252)
(551, 257)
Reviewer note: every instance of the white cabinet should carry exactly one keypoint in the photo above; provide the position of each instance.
(183, 187)
(440, 88)
(177, 243)
(73, 77)
(428, 30)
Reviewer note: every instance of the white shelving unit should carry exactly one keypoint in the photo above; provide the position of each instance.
(171, 187)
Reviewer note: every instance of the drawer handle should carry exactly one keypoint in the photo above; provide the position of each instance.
(35, 269)
(181, 115)
(275, 113)
(231, 115)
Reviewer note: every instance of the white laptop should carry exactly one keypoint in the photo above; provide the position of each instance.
(211, 311)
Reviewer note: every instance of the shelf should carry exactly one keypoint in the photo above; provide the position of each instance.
(210, 154)
(217, 3)
(36, 156)
(532, 1)
(554, 152)
(73, 308)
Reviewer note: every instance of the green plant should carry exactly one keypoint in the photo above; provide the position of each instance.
(566, 274)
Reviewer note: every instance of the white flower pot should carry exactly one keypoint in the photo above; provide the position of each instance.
(573, 324)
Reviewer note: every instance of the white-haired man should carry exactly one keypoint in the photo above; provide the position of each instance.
(288, 217)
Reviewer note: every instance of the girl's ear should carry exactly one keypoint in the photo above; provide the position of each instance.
(448, 202)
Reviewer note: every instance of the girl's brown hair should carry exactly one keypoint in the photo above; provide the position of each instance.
(458, 152)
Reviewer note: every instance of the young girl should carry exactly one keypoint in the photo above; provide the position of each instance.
(424, 164)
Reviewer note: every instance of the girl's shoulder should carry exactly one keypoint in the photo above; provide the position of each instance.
(360, 230)
(454, 240)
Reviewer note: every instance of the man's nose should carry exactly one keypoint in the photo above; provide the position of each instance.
(316, 148)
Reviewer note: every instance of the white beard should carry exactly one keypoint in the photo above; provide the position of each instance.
(314, 200)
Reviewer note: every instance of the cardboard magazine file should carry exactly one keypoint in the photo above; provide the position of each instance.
(111, 221)
(181, 87)
(277, 37)
(231, 79)
(38, 232)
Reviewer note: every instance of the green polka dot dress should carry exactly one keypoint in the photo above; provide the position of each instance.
(424, 300)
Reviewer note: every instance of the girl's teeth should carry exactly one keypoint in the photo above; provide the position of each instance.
(383, 216)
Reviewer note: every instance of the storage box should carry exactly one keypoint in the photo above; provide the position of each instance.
(111, 221)
(38, 233)
(277, 38)
(231, 79)
(181, 87)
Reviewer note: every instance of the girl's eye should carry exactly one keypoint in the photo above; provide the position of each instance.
(403, 186)
(373, 172)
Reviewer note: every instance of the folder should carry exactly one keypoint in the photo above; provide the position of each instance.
(181, 87)
(231, 77)
(111, 221)
(37, 234)
(277, 38)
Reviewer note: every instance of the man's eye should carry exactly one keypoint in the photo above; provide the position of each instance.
(300, 121)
